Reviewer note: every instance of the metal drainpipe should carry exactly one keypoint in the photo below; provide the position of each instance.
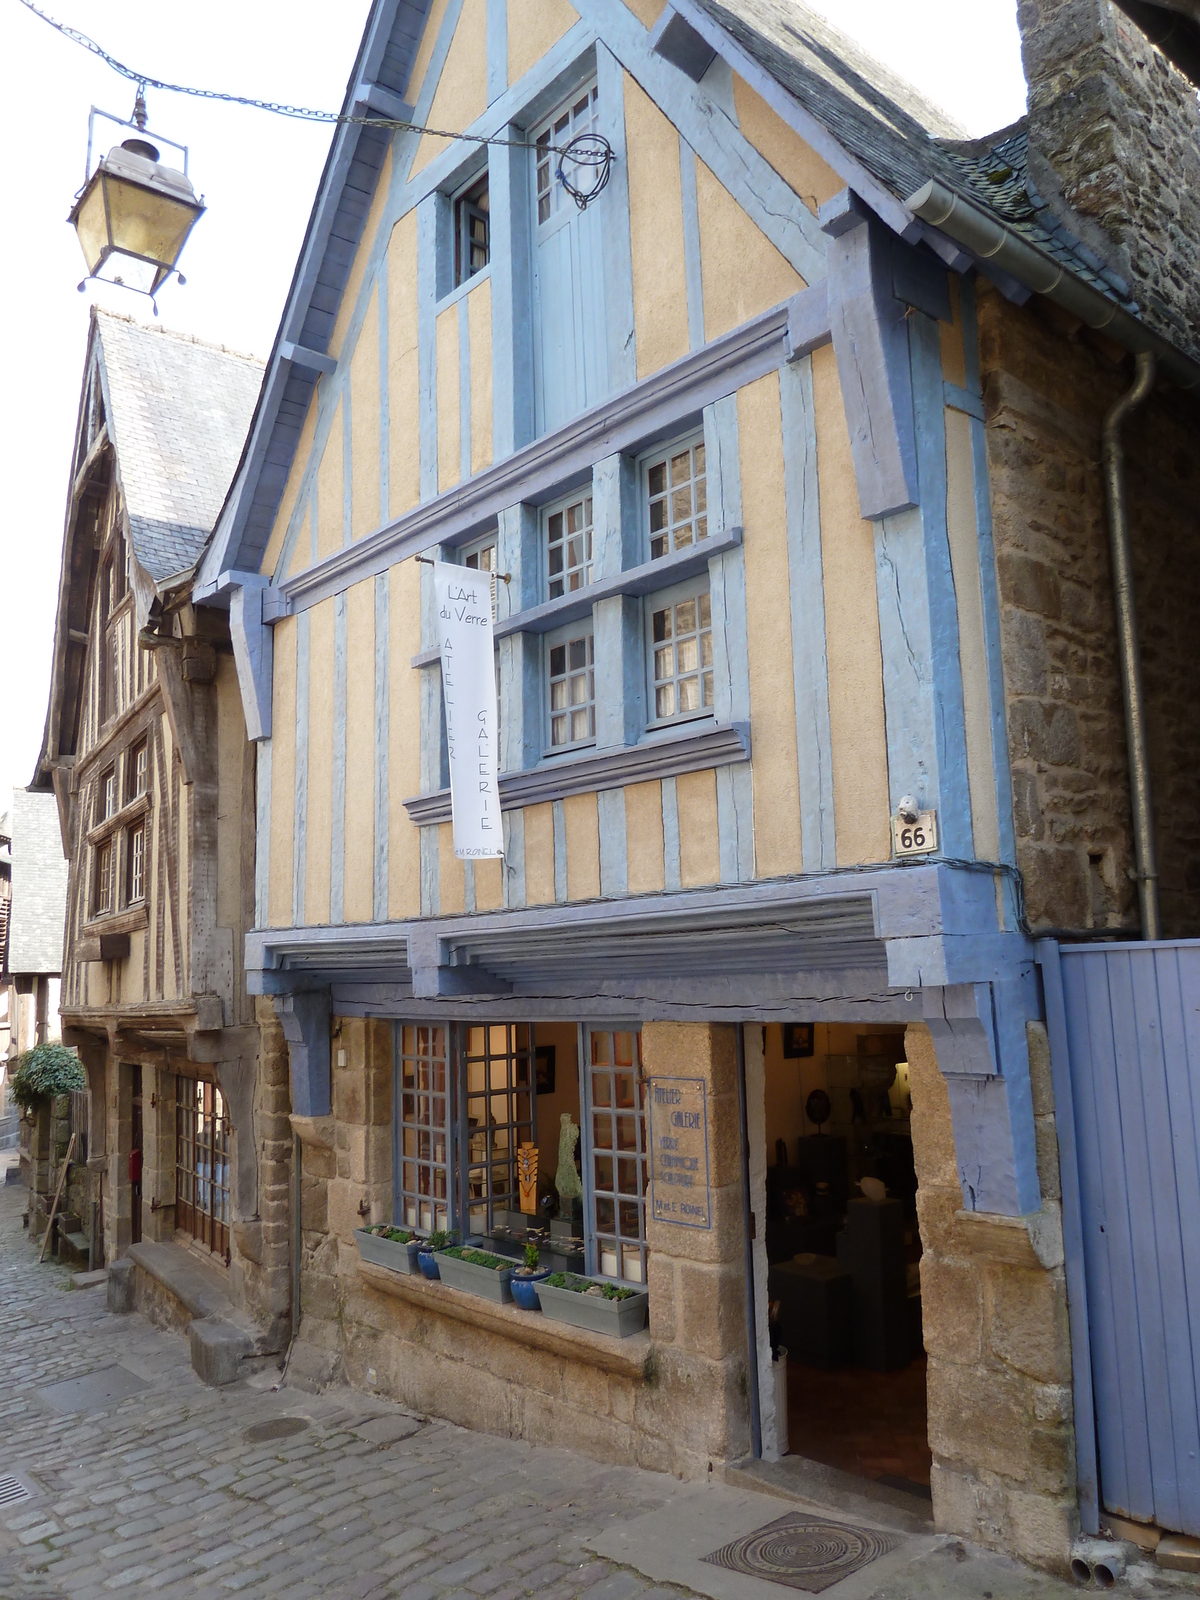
(1132, 694)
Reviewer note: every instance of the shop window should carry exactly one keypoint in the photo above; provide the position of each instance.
(422, 1130)
(571, 682)
(617, 1153)
(568, 546)
(202, 1163)
(675, 496)
(135, 857)
(472, 232)
(103, 880)
(498, 1117)
(679, 624)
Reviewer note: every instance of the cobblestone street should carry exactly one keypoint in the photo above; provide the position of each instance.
(164, 1490)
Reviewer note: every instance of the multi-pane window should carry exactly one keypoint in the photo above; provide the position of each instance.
(472, 232)
(579, 116)
(138, 769)
(569, 546)
(104, 876)
(571, 661)
(497, 1118)
(136, 860)
(108, 794)
(421, 1163)
(617, 1152)
(202, 1163)
(681, 654)
(675, 497)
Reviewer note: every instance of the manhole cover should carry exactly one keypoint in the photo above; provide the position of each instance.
(12, 1490)
(276, 1428)
(95, 1391)
(801, 1553)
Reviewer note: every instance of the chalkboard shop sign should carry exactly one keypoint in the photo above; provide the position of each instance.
(679, 1190)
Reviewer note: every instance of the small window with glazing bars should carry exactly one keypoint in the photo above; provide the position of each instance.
(571, 681)
(675, 496)
(472, 232)
(421, 1159)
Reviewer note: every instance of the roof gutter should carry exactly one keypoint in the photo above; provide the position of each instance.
(991, 241)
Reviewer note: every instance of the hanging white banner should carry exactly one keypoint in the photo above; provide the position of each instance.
(464, 620)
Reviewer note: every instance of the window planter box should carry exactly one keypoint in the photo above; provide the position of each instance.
(491, 1283)
(620, 1318)
(387, 1252)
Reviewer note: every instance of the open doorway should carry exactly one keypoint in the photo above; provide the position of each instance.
(843, 1249)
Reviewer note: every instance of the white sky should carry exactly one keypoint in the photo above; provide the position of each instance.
(258, 174)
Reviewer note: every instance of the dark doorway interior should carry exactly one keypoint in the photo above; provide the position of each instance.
(843, 1249)
(135, 1158)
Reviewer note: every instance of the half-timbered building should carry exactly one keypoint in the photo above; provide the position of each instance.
(146, 750)
(780, 448)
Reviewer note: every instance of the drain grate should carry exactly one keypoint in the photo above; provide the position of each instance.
(802, 1553)
(276, 1428)
(12, 1491)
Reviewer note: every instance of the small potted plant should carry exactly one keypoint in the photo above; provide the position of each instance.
(427, 1252)
(477, 1272)
(526, 1277)
(387, 1246)
(612, 1308)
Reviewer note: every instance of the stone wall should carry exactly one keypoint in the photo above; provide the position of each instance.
(1047, 384)
(994, 1307)
(262, 1246)
(685, 1408)
(1120, 131)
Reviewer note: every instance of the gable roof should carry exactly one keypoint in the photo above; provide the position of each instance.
(177, 411)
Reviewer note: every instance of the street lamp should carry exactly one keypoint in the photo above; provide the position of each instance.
(133, 215)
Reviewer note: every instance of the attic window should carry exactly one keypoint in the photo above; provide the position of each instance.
(472, 232)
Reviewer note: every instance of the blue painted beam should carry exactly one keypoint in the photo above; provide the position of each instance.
(304, 1017)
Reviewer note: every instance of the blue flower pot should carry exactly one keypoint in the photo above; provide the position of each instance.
(427, 1262)
(524, 1291)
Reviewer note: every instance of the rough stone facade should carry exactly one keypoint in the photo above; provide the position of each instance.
(262, 1246)
(675, 1399)
(1120, 129)
(994, 1305)
(1047, 385)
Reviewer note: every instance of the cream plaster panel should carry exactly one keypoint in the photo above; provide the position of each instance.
(644, 837)
(330, 504)
(656, 233)
(358, 893)
(797, 163)
(583, 847)
(462, 88)
(449, 405)
(964, 561)
(479, 328)
(131, 969)
(699, 845)
(362, 255)
(452, 884)
(416, 81)
(364, 425)
(319, 830)
(539, 855)
(404, 745)
(533, 30)
(302, 549)
(647, 11)
(860, 775)
(777, 844)
(950, 336)
(291, 490)
(489, 885)
(404, 479)
(742, 271)
(282, 773)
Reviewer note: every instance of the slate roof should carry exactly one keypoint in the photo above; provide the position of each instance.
(901, 138)
(178, 410)
(39, 885)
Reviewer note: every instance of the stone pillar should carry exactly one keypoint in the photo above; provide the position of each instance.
(263, 1242)
(994, 1311)
(697, 1412)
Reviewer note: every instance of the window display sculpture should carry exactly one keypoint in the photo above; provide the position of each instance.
(527, 1178)
(566, 1179)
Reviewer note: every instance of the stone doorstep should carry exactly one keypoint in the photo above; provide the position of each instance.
(1177, 1553)
(625, 1357)
(814, 1485)
(222, 1339)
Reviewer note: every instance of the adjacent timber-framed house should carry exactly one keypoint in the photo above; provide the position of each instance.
(785, 454)
(146, 750)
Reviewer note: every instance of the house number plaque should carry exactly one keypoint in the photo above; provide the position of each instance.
(679, 1188)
